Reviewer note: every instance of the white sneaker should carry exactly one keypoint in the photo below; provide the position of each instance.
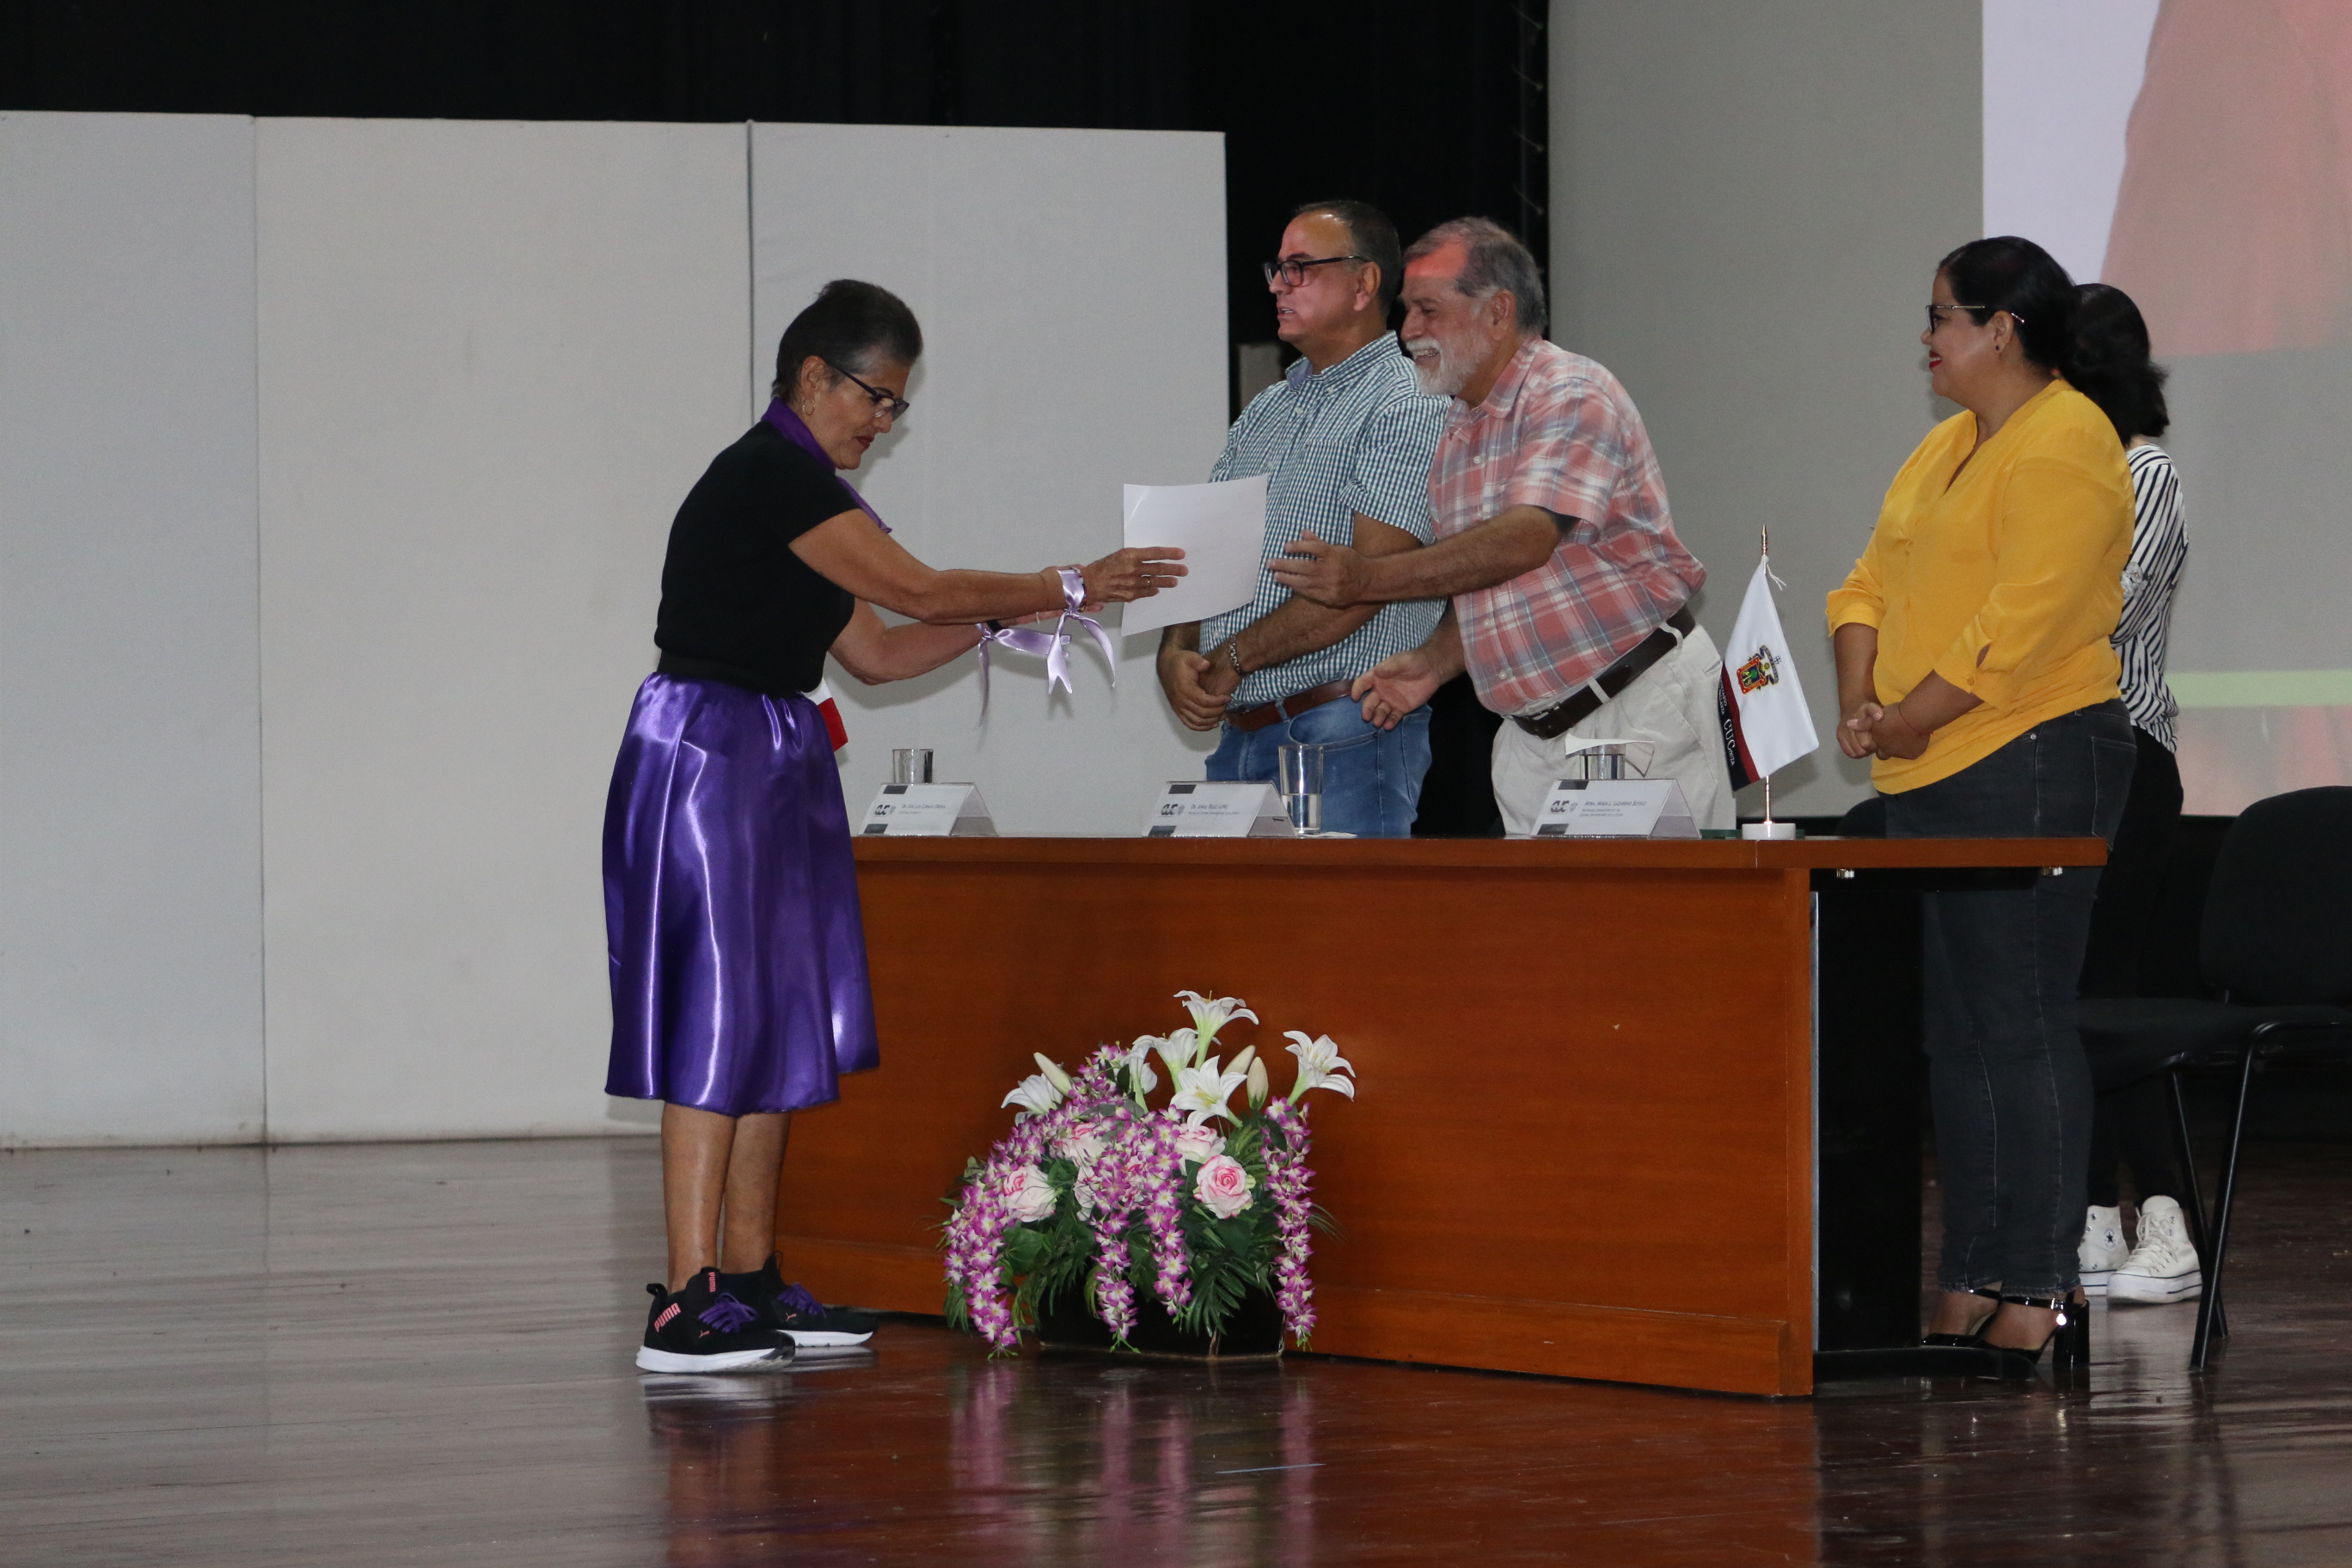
(2103, 1249)
(2163, 1266)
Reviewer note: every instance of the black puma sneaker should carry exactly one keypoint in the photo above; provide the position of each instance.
(811, 1324)
(704, 1328)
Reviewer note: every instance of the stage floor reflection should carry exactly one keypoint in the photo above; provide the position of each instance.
(420, 1354)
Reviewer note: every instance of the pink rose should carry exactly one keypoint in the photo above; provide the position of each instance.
(1199, 1144)
(1224, 1187)
(1027, 1194)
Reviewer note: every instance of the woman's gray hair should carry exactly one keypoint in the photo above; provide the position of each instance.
(1496, 262)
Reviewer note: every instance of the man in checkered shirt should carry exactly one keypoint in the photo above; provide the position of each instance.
(1570, 589)
(1345, 440)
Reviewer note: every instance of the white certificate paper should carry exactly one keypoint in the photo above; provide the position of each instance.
(1221, 529)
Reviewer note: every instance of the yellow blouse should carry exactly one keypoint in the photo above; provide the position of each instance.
(2006, 580)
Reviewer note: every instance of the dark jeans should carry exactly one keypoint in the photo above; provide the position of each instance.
(2132, 1124)
(1371, 777)
(2005, 1067)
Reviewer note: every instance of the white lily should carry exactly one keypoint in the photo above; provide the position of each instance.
(1203, 1090)
(1036, 1095)
(1320, 1065)
(1178, 1051)
(1242, 1061)
(1052, 1072)
(1211, 1013)
(1138, 1062)
(1258, 1085)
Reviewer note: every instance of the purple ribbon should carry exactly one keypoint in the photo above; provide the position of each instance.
(1055, 645)
(790, 426)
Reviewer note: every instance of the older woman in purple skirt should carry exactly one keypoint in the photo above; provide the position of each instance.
(730, 902)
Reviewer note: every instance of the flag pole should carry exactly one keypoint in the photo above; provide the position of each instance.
(1768, 828)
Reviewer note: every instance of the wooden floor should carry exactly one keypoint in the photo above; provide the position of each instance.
(420, 1354)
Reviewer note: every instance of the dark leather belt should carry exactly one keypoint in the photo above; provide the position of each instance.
(1290, 707)
(1562, 716)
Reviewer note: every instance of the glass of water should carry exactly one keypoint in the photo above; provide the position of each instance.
(1300, 773)
(910, 764)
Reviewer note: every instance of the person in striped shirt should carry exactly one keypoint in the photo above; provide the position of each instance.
(2131, 1124)
(1345, 440)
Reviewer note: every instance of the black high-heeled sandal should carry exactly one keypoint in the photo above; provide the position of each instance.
(2071, 1334)
(1970, 1339)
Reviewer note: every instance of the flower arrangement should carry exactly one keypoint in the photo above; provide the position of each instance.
(1097, 1191)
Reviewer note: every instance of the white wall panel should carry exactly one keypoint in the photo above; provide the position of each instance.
(130, 822)
(1071, 288)
(493, 359)
(1747, 204)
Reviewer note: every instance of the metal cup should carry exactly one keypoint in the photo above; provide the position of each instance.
(910, 764)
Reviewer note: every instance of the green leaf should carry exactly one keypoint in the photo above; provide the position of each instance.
(1026, 1248)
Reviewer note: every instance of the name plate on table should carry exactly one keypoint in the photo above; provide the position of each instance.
(929, 811)
(1192, 809)
(1615, 808)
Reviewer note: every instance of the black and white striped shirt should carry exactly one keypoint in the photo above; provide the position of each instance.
(2159, 547)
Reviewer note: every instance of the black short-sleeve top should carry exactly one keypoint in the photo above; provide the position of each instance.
(733, 593)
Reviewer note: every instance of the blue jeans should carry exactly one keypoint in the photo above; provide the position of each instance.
(2006, 1072)
(1371, 778)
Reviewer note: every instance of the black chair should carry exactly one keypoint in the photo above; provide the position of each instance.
(2276, 943)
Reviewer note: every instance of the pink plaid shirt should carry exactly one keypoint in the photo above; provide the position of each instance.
(1559, 432)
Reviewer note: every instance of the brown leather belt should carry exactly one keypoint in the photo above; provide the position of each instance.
(1290, 707)
(1562, 716)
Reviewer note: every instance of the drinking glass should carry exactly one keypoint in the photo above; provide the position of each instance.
(1300, 772)
(910, 764)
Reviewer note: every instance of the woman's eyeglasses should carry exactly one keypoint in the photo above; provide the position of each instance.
(887, 404)
(1935, 320)
(1294, 272)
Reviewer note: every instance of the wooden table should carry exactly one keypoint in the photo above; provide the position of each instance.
(1583, 1142)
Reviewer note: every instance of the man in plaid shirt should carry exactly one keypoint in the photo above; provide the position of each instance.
(1570, 588)
(1345, 440)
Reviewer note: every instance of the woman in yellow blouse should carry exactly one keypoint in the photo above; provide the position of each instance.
(1974, 667)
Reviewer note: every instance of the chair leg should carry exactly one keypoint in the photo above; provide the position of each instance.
(2205, 1303)
(2197, 1200)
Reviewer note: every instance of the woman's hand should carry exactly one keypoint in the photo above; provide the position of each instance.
(1857, 730)
(1133, 573)
(1897, 736)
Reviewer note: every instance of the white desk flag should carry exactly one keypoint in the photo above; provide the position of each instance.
(1766, 724)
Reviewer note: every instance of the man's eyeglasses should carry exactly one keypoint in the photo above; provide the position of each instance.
(886, 403)
(1294, 272)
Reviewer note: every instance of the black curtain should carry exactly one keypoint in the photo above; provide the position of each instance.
(1431, 113)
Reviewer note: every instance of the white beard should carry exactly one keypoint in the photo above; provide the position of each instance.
(1439, 377)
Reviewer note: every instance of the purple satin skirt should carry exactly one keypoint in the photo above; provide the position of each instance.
(730, 905)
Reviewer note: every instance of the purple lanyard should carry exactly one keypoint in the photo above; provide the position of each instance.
(789, 425)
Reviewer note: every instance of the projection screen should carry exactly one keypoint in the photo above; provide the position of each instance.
(2198, 154)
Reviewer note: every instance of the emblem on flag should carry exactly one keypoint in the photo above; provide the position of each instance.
(1758, 671)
